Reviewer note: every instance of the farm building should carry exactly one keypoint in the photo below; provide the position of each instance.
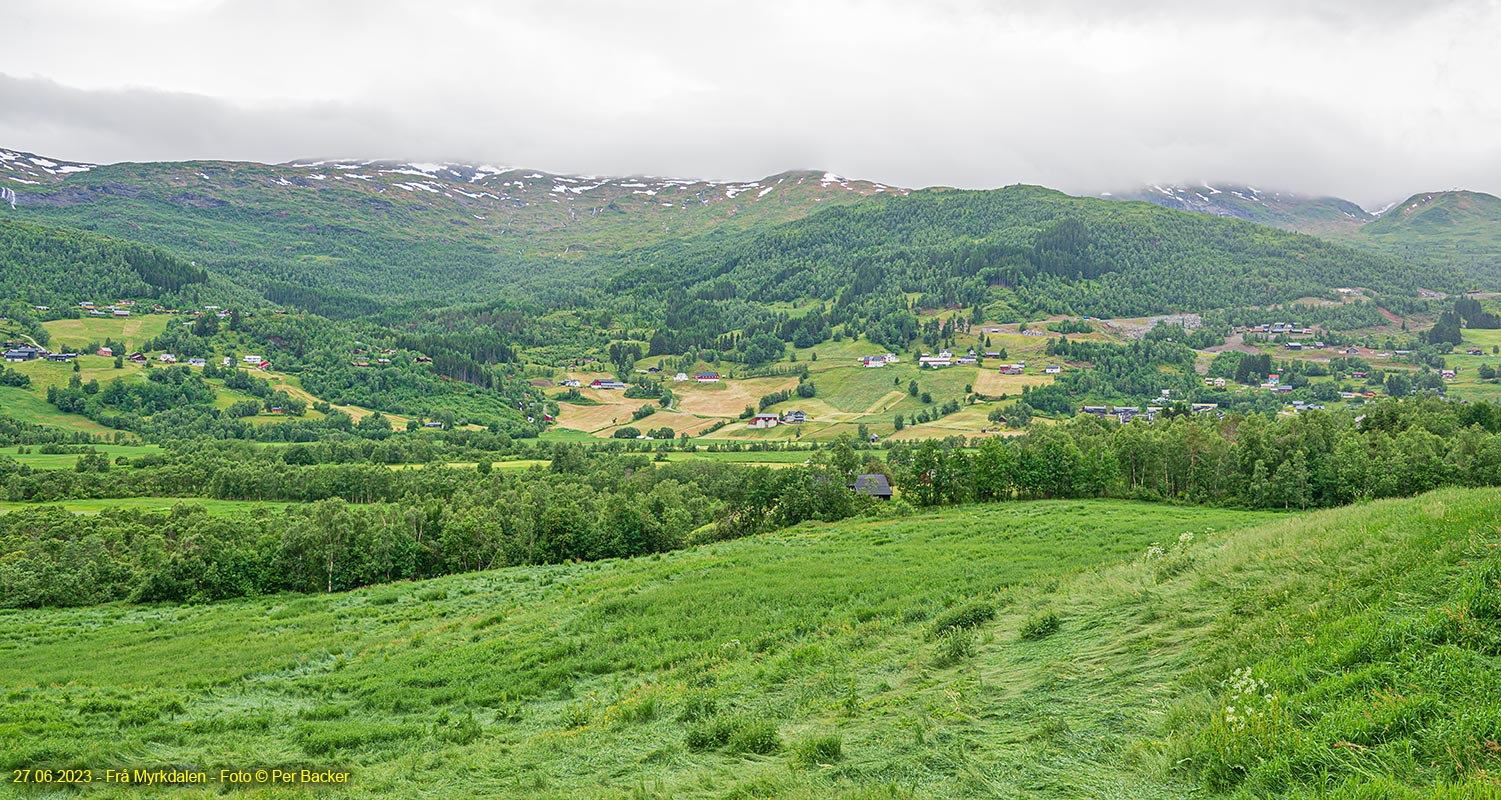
(874, 484)
(764, 421)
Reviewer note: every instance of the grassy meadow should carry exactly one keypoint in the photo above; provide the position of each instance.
(1044, 649)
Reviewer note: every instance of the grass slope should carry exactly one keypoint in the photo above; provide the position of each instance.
(804, 664)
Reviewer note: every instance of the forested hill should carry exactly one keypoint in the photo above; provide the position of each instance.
(51, 266)
(1027, 245)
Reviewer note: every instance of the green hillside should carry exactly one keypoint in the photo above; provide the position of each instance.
(1459, 228)
(1045, 649)
(333, 234)
(1034, 247)
(60, 266)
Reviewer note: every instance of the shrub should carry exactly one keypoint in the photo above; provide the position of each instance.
(1041, 625)
(962, 617)
(818, 750)
(957, 644)
(756, 736)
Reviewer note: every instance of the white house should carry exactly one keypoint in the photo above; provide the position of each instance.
(167, 358)
(251, 359)
(764, 421)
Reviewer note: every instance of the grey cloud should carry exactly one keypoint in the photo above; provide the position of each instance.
(1367, 100)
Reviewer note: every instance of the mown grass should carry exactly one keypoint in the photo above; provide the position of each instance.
(94, 506)
(37, 460)
(1021, 650)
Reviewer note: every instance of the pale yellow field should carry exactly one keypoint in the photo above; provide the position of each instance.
(133, 331)
(993, 384)
(967, 421)
(726, 398)
(593, 418)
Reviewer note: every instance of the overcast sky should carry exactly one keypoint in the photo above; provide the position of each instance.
(1370, 100)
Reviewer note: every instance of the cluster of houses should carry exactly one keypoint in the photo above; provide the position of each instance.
(879, 361)
(120, 308)
(760, 421)
(1276, 329)
(1126, 414)
(946, 359)
(16, 352)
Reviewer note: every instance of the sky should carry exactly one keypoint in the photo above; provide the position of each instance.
(1371, 100)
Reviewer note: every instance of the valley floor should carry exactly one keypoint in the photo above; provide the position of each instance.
(1045, 649)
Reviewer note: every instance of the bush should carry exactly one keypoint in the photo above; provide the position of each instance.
(756, 736)
(818, 750)
(957, 645)
(963, 617)
(626, 433)
(1041, 625)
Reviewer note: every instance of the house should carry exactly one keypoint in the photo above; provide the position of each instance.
(935, 362)
(600, 383)
(226, 362)
(432, 424)
(1447, 374)
(966, 360)
(1294, 345)
(1359, 375)
(874, 484)
(871, 362)
(945, 354)
(1098, 411)
(1197, 408)
(1218, 383)
(992, 354)
(1010, 369)
(707, 377)
(764, 421)
(1350, 351)
(137, 358)
(575, 383)
(1052, 369)
(382, 360)
(167, 358)
(891, 358)
(85, 304)
(42, 308)
(264, 364)
(1475, 351)
(653, 370)
(197, 362)
(61, 356)
(24, 353)
(680, 377)
(1274, 378)
(105, 351)
(122, 312)
(251, 360)
(794, 417)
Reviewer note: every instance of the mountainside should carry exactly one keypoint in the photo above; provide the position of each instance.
(378, 228)
(1057, 252)
(1454, 229)
(1287, 210)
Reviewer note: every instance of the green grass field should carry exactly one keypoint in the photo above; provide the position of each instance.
(1021, 650)
(146, 503)
(68, 460)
